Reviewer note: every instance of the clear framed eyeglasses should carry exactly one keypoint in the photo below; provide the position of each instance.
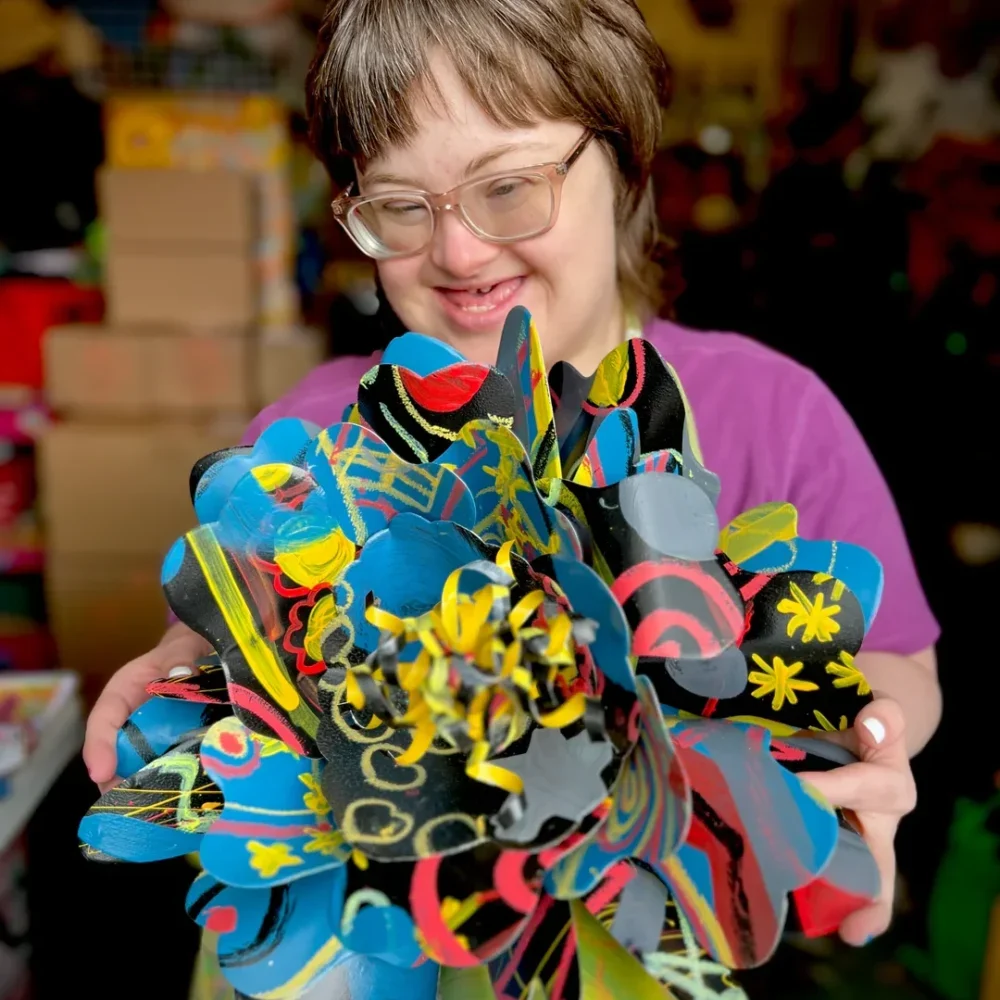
(503, 207)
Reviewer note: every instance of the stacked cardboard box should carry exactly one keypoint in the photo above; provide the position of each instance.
(174, 373)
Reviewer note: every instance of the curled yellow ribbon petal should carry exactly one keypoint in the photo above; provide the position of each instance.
(503, 558)
(559, 635)
(355, 696)
(423, 736)
(477, 714)
(525, 608)
(384, 621)
(479, 769)
(566, 714)
(412, 673)
(449, 603)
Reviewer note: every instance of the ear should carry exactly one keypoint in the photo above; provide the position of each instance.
(204, 465)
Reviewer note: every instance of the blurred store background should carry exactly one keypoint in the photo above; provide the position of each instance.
(830, 177)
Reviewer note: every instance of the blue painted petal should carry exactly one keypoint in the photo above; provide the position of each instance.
(370, 979)
(154, 728)
(252, 514)
(366, 484)
(276, 942)
(661, 461)
(421, 354)
(589, 596)
(274, 810)
(614, 449)
(854, 566)
(385, 568)
(379, 930)
(173, 561)
(286, 442)
(127, 839)
(521, 362)
(649, 814)
(160, 812)
(753, 815)
(493, 464)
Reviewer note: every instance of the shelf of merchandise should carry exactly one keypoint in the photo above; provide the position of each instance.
(23, 418)
(21, 549)
(60, 739)
(22, 424)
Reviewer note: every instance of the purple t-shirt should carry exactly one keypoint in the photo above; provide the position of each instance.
(769, 428)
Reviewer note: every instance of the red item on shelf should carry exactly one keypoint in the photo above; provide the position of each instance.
(21, 560)
(17, 485)
(961, 207)
(29, 307)
(26, 649)
(22, 423)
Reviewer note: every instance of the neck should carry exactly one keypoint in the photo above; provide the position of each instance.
(604, 336)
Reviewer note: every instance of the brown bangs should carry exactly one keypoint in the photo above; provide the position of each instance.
(521, 60)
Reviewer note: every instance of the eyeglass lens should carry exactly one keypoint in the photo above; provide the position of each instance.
(500, 208)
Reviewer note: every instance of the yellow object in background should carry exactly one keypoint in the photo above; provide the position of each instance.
(746, 53)
(726, 79)
(28, 29)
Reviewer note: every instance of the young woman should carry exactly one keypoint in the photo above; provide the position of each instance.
(489, 153)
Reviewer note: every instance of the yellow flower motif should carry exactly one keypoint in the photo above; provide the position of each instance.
(314, 800)
(779, 678)
(848, 675)
(838, 585)
(815, 620)
(328, 842)
(826, 726)
(269, 859)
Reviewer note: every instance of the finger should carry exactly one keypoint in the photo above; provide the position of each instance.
(99, 746)
(881, 728)
(861, 926)
(867, 787)
(846, 738)
(122, 695)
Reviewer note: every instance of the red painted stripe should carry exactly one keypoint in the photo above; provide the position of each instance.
(245, 698)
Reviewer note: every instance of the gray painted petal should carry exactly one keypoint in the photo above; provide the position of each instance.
(723, 676)
(671, 514)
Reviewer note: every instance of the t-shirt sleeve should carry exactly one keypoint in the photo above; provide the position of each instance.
(841, 494)
(320, 398)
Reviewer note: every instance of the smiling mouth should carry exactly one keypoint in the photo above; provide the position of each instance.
(482, 299)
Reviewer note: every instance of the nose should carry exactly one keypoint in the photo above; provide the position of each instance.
(457, 251)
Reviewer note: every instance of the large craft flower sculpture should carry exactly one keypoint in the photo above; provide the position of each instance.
(496, 710)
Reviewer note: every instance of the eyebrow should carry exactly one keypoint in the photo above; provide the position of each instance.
(472, 168)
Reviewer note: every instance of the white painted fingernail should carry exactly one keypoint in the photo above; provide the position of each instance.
(180, 672)
(876, 729)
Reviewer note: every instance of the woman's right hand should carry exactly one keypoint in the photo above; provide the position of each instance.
(178, 650)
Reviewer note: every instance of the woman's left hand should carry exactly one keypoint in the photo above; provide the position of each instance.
(880, 791)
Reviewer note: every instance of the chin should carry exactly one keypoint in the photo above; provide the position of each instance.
(480, 346)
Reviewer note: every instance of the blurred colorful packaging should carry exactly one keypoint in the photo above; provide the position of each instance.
(219, 132)
(17, 484)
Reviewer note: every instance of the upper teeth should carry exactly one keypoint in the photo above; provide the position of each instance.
(483, 291)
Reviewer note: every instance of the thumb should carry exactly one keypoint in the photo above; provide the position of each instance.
(880, 729)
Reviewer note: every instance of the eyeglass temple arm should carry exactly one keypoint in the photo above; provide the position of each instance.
(576, 153)
(340, 201)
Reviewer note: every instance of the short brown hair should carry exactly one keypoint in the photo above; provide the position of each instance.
(590, 61)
